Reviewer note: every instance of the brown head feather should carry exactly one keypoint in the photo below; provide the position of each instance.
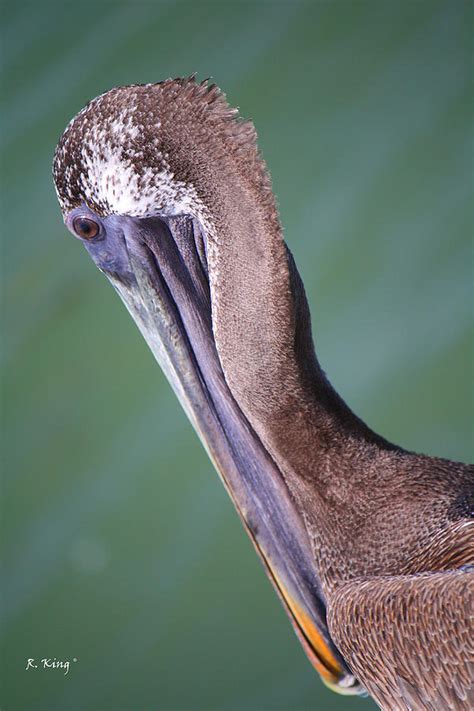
(139, 148)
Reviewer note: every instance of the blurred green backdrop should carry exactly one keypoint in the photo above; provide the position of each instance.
(121, 548)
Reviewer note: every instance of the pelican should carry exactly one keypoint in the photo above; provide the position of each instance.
(369, 546)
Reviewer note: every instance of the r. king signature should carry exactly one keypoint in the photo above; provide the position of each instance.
(45, 663)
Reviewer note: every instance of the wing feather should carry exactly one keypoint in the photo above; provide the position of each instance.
(409, 638)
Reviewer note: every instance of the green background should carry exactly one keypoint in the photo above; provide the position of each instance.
(121, 548)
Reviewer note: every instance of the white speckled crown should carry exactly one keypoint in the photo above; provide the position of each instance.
(143, 149)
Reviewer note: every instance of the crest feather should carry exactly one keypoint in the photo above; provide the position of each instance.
(142, 148)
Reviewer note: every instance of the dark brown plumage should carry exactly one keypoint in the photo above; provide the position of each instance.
(390, 532)
(409, 638)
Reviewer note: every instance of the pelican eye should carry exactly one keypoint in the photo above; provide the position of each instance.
(85, 228)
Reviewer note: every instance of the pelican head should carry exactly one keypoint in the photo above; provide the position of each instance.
(153, 180)
(166, 189)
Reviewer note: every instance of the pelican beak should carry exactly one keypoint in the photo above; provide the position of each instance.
(158, 266)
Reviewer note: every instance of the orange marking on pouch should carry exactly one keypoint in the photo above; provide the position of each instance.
(312, 641)
(324, 660)
(314, 644)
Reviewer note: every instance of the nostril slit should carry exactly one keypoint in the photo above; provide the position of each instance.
(200, 245)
